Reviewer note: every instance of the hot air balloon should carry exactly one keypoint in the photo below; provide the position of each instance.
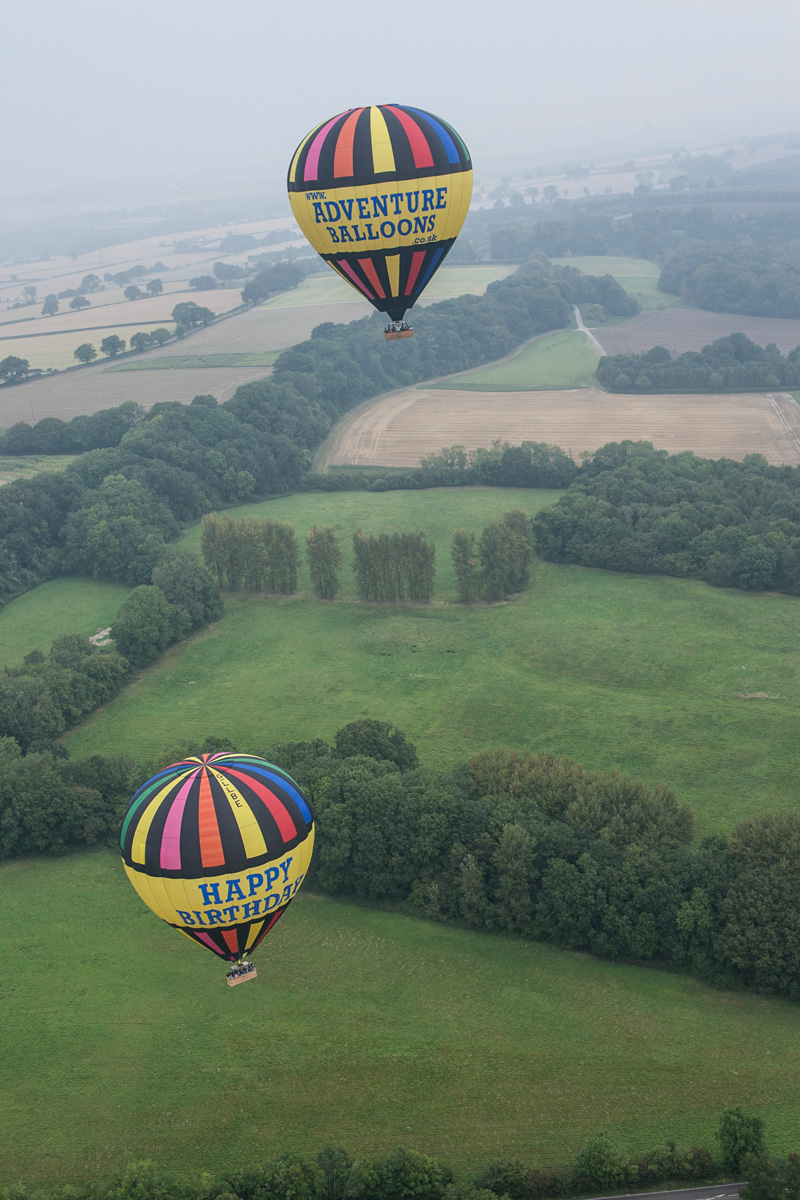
(218, 846)
(381, 194)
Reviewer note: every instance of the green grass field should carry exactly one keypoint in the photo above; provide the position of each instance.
(24, 466)
(66, 605)
(639, 672)
(638, 276)
(174, 362)
(364, 1029)
(566, 359)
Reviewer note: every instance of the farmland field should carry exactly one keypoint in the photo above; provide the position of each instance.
(398, 429)
(66, 605)
(638, 276)
(184, 362)
(627, 670)
(56, 349)
(691, 329)
(565, 359)
(364, 1029)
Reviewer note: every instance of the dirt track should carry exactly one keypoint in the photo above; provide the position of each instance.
(400, 428)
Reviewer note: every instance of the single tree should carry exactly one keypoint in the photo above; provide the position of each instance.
(90, 283)
(465, 565)
(133, 292)
(740, 1136)
(112, 345)
(85, 352)
(78, 302)
(143, 627)
(187, 315)
(13, 369)
(50, 306)
(155, 287)
(203, 283)
(324, 561)
(29, 292)
(140, 341)
(160, 335)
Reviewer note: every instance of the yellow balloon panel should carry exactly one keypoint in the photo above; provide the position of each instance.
(403, 214)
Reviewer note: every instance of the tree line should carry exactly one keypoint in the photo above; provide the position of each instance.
(530, 844)
(249, 554)
(732, 363)
(334, 1173)
(634, 508)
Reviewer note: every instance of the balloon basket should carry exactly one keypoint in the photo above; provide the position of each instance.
(234, 980)
(394, 335)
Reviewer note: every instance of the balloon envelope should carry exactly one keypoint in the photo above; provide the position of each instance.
(381, 194)
(217, 846)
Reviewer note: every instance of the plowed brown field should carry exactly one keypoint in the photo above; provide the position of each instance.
(397, 430)
(682, 329)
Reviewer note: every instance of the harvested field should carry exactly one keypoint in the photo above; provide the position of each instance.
(91, 388)
(397, 430)
(690, 329)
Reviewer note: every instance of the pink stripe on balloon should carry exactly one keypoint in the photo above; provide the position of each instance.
(348, 270)
(311, 168)
(171, 837)
(206, 940)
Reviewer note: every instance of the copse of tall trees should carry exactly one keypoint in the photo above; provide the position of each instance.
(324, 561)
(251, 555)
(394, 567)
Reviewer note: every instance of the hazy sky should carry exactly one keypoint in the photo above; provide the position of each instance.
(95, 92)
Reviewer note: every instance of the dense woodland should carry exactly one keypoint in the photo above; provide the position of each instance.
(730, 364)
(633, 508)
(759, 279)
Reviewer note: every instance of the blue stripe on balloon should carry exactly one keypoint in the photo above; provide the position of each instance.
(421, 283)
(284, 783)
(448, 143)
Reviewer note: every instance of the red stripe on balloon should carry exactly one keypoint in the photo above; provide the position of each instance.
(350, 273)
(283, 820)
(211, 852)
(343, 158)
(417, 140)
(416, 265)
(368, 267)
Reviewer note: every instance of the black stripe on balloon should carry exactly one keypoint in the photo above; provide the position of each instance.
(191, 861)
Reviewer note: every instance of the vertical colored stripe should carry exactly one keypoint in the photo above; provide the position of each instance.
(211, 854)
(311, 170)
(281, 815)
(171, 837)
(368, 267)
(382, 153)
(252, 937)
(343, 158)
(231, 939)
(416, 138)
(143, 827)
(431, 268)
(416, 262)
(250, 830)
(393, 267)
(348, 270)
(449, 145)
(206, 940)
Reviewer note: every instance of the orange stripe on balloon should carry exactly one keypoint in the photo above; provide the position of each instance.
(368, 267)
(417, 140)
(416, 263)
(343, 158)
(231, 939)
(210, 842)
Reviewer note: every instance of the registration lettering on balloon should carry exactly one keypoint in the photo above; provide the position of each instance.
(218, 846)
(370, 187)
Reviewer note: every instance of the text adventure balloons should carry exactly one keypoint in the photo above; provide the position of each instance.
(381, 194)
(217, 846)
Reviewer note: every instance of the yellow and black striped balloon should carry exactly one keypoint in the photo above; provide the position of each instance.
(381, 194)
